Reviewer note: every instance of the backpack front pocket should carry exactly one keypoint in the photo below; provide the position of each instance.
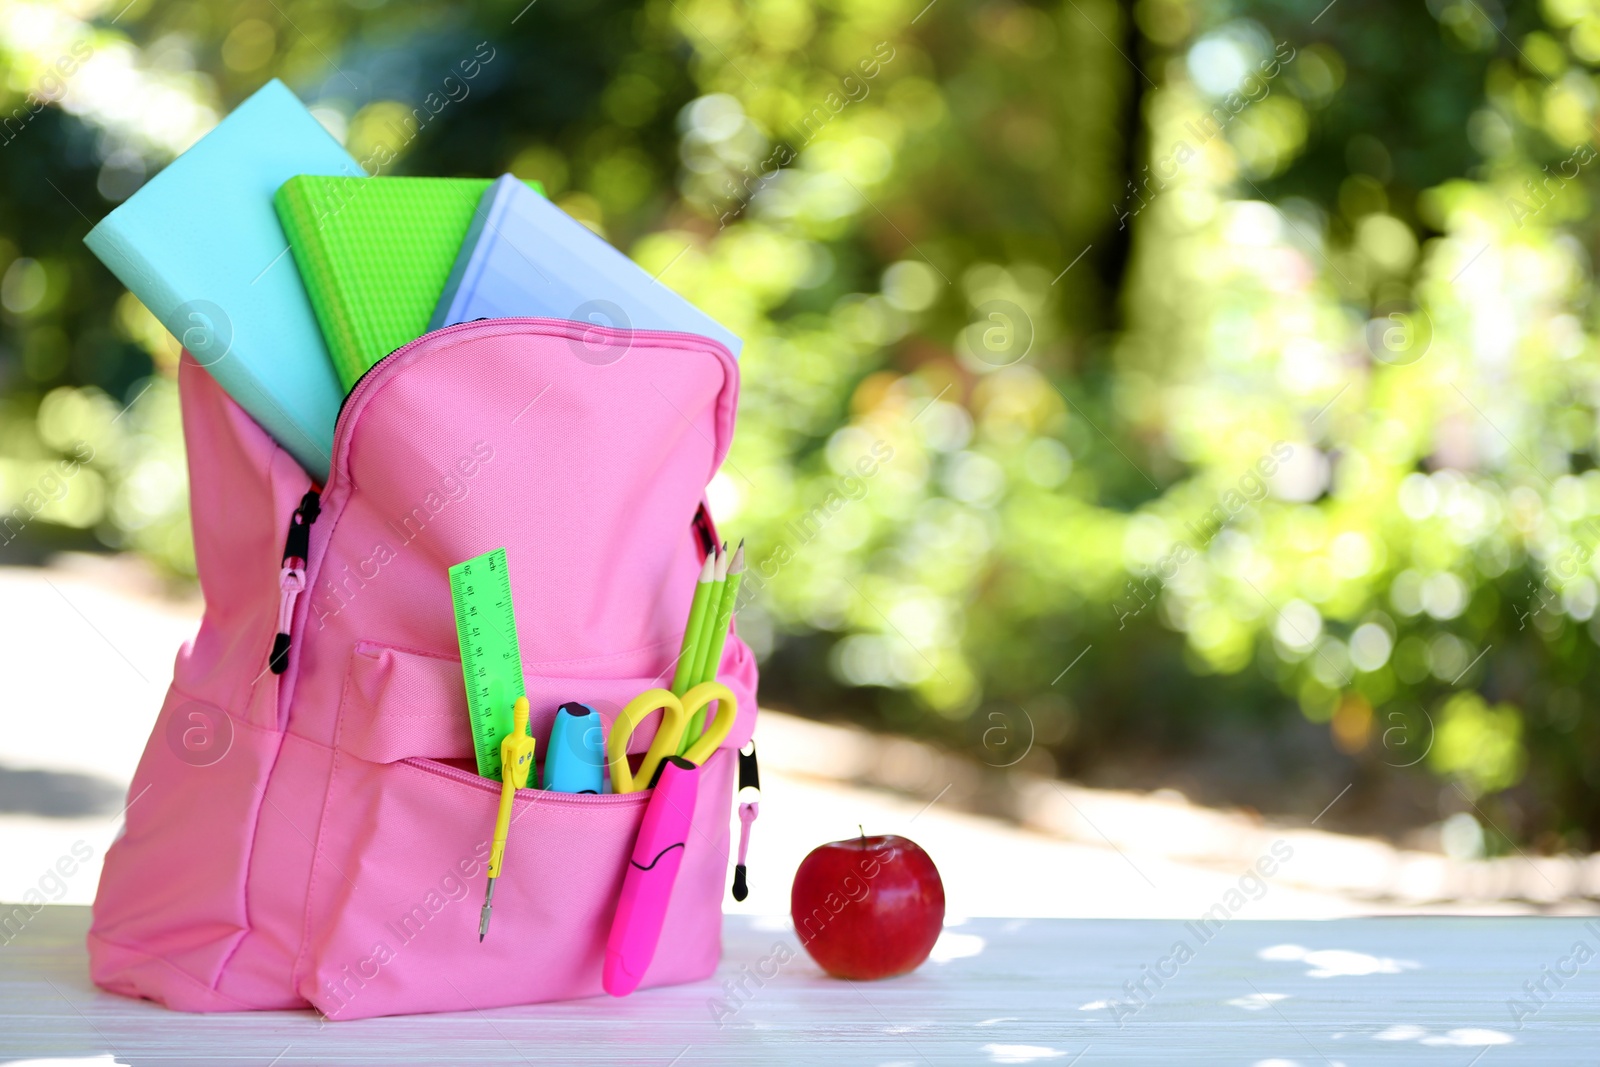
(399, 703)
(400, 870)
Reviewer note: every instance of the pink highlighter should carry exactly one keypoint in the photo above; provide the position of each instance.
(652, 870)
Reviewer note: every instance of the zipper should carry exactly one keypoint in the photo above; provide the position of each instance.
(539, 796)
(369, 375)
(749, 808)
(365, 382)
(704, 533)
(292, 578)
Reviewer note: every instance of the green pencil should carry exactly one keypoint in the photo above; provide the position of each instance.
(708, 618)
(683, 677)
(711, 647)
(711, 652)
(719, 581)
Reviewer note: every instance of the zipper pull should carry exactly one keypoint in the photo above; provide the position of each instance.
(749, 778)
(292, 579)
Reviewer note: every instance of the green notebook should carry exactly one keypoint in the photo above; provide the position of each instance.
(374, 254)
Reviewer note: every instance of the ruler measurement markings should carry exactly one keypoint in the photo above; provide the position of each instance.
(480, 590)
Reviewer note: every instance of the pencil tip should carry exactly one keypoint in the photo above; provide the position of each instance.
(737, 566)
(708, 568)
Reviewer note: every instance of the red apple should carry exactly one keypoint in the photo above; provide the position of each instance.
(869, 907)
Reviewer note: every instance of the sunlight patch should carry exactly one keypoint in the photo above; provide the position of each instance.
(956, 946)
(1021, 1053)
(1256, 1001)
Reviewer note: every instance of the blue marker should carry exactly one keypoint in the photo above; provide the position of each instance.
(577, 752)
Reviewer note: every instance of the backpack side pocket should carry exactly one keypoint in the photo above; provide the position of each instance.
(171, 909)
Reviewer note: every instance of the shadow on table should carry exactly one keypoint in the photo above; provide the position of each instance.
(58, 794)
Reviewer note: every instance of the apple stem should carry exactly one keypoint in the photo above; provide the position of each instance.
(863, 832)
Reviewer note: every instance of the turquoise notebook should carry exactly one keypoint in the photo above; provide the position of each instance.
(200, 245)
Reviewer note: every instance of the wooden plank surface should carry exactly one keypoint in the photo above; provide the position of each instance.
(1010, 991)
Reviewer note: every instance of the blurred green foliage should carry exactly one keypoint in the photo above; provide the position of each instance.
(1128, 375)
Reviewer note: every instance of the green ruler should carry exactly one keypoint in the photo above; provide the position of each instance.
(486, 626)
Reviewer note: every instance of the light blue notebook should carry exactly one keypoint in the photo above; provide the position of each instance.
(525, 256)
(200, 245)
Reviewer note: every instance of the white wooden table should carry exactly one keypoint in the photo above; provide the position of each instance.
(1269, 994)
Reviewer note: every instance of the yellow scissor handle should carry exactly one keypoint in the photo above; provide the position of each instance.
(700, 748)
(673, 720)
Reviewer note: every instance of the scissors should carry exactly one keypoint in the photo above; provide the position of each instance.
(675, 714)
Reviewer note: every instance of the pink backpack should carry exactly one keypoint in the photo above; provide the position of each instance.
(318, 836)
